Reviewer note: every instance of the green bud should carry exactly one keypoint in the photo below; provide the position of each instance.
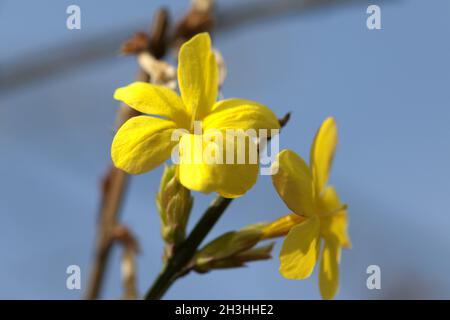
(174, 204)
(232, 249)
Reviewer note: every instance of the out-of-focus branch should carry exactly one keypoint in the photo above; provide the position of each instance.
(114, 183)
(129, 274)
(60, 58)
(112, 192)
(130, 245)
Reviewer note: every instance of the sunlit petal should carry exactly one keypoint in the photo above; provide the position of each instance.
(329, 269)
(142, 144)
(203, 166)
(300, 250)
(154, 100)
(198, 75)
(334, 218)
(292, 180)
(240, 114)
(322, 153)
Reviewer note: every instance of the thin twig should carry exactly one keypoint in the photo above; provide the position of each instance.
(112, 193)
(123, 235)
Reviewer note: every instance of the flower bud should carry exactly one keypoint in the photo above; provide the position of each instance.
(238, 260)
(232, 249)
(174, 204)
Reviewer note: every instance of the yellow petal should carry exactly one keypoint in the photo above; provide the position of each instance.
(281, 226)
(142, 143)
(293, 182)
(322, 153)
(334, 218)
(198, 75)
(155, 100)
(329, 270)
(241, 114)
(200, 171)
(300, 250)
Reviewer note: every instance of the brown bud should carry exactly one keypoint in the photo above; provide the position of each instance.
(138, 43)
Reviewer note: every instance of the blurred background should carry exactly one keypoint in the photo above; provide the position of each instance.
(388, 89)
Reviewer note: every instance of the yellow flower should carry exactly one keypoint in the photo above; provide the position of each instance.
(318, 215)
(144, 142)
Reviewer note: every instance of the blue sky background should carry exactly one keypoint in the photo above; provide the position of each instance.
(388, 90)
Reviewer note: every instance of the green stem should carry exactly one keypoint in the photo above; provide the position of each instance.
(186, 251)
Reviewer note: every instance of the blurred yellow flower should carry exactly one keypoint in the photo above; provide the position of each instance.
(317, 214)
(144, 142)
